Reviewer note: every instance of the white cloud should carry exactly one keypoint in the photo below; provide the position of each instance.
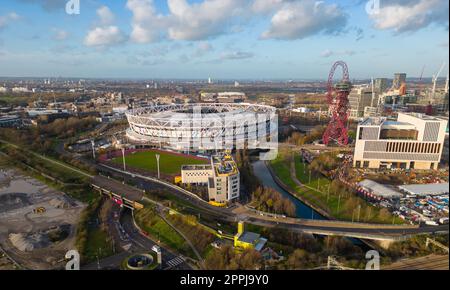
(266, 6)
(106, 16)
(206, 19)
(5, 20)
(411, 15)
(106, 34)
(59, 34)
(203, 20)
(146, 23)
(202, 49)
(300, 19)
(185, 21)
(236, 55)
(329, 53)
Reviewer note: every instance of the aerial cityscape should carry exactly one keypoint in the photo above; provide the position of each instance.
(189, 136)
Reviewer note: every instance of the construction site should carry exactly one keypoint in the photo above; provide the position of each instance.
(37, 223)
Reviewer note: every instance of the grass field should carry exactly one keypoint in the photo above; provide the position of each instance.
(158, 229)
(170, 163)
(315, 190)
(98, 245)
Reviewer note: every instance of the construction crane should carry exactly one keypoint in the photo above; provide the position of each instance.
(435, 79)
(447, 83)
(421, 74)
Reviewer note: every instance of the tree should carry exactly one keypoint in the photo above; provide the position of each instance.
(227, 258)
(298, 260)
(384, 214)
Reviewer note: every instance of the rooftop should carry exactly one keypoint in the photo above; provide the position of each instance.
(249, 237)
(426, 189)
(379, 189)
(224, 164)
(196, 167)
(383, 121)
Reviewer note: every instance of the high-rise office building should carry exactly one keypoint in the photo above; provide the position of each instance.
(360, 97)
(381, 85)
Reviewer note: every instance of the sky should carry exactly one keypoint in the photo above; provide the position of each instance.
(222, 39)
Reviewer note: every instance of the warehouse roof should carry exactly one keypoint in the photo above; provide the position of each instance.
(379, 189)
(426, 189)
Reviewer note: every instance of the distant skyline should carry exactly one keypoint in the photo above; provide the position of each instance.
(222, 39)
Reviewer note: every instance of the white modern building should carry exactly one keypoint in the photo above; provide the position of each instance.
(414, 141)
(221, 176)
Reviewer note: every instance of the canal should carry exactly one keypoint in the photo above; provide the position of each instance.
(302, 210)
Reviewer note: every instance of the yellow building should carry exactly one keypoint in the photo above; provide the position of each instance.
(248, 240)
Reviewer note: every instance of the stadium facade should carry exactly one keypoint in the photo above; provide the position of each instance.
(204, 127)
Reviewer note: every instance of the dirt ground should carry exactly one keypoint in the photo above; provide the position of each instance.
(35, 240)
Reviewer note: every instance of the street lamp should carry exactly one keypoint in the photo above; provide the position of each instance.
(157, 164)
(123, 159)
(93, 149)
(359, 212)
(339, 204)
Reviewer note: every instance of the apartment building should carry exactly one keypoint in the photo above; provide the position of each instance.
(360, 97)
(221, 176)
(414, 141)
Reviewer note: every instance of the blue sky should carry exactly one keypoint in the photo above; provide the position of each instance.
(222, 39)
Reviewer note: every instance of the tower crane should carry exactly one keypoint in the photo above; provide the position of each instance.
(435, 79)
(421, 75)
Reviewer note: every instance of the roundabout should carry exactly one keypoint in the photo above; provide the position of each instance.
(141, 262)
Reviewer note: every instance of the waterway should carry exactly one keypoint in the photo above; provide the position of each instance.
(302, 210)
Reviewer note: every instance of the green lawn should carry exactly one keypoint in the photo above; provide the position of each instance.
(157, 228)
(316, 192)
(169, 163)
(98, 245)
(282, 169)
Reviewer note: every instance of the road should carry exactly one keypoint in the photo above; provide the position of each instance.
(145, 244)
(128, 237)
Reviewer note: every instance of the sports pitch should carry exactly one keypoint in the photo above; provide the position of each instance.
(170, 163)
